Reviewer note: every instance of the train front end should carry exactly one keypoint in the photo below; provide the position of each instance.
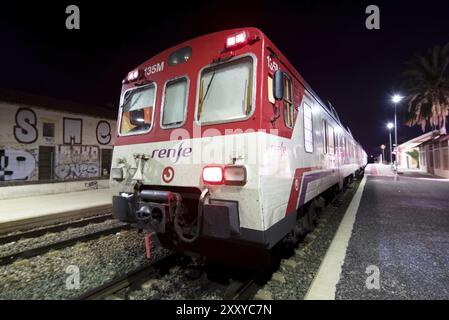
(185, 159)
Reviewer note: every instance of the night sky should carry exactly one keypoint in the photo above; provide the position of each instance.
(355, 68)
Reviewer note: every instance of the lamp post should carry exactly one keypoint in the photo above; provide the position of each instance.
(390, 126)
(396, 99)
(383, 152)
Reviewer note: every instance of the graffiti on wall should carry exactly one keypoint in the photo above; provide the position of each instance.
(103, 132)
(25, 130)
(18, 164)
(20, 160)
(72, 131)
(77, 162)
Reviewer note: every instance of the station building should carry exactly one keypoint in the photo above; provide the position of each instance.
(44, 140)
(428, 153)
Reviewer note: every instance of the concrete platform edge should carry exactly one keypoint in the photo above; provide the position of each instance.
(33, 222)
(324, 284)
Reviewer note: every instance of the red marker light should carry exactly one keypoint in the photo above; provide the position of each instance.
(234, 175)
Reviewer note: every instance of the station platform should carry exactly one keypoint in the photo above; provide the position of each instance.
(26, 212)
(393, 242)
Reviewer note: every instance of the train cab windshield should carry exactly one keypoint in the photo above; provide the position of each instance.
(225, 91)
(137, 110)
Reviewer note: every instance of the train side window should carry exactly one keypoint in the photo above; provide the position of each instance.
(288, 103)
(324, 136)
(308, 128)
(174, 105)
(331, 139)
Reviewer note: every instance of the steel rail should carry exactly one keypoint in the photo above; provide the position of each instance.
(53, 228)
(136, 276)
(29, 253)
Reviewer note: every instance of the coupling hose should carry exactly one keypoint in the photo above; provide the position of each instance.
(178, 228)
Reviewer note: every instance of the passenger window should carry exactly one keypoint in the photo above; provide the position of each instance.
(288, 103)
(331, 139)
(324, 136)
(308, 128)
(175, 101)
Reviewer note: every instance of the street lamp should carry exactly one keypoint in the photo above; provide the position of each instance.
(396, 99)
(383, 152)
(390, 126)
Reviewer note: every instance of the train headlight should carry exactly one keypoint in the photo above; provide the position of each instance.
(230, 175)
(213, 175)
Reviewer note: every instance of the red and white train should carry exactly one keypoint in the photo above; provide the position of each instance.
(222, 146)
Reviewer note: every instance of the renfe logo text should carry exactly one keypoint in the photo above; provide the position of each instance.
(172, 153)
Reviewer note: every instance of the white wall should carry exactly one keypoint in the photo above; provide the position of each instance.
(405, 161)
(78, 141)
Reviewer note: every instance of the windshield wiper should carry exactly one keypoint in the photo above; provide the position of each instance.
(126, 98)
(207, 89)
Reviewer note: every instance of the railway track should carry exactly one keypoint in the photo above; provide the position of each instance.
(29, 253)
(244, 290)
(235, 291)
(132, 279)
(33, 233)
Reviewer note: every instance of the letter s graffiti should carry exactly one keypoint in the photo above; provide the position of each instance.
(25, 130)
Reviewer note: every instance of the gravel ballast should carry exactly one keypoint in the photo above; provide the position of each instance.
(98, 261)
(296, 272)
(49, 238)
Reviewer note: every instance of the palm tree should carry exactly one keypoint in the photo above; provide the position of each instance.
(427, 87)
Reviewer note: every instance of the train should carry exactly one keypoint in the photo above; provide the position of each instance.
(223, 150)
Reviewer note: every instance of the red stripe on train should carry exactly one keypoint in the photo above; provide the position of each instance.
(296, 188)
